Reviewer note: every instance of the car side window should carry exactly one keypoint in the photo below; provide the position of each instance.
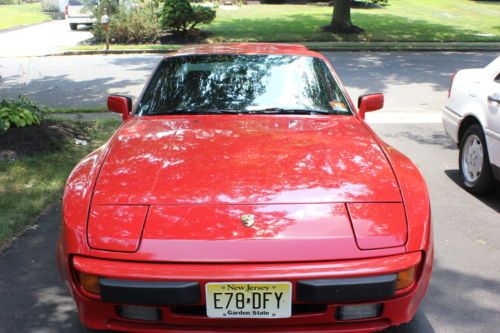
(338, 101)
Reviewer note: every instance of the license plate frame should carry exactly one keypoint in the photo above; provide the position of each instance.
(261, 299)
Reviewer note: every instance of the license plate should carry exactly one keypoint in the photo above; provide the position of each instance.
(249, 299)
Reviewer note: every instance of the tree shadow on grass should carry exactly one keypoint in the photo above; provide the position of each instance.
(303, 27)
(387, 27)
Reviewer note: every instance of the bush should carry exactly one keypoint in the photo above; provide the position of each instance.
(136, 25)
(19, 113)
(179, 16)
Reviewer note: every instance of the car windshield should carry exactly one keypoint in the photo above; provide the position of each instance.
(205, 84)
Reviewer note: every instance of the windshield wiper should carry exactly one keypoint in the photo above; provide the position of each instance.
(185, 111)
(288, 111)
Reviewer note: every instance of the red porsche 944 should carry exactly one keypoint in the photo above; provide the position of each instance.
(245, 192)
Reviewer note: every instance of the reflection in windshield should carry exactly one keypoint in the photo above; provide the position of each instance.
(242, 83)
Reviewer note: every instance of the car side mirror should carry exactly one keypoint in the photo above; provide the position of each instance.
(367, 103)
(120, 104)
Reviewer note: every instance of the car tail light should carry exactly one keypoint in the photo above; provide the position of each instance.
(405, 278)
(451, 85)
(89, 282)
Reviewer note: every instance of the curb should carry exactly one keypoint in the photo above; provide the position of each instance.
(111, 52)
(341, 47)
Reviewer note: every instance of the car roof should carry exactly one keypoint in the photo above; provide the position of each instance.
(247, 48)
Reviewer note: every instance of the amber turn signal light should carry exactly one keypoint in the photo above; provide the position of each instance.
(89, 282)
(405, 278)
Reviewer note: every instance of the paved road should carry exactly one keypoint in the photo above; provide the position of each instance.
(45, 38)
(413, 83)
(464, 295)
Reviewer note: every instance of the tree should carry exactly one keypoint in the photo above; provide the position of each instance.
(341, 18)
(180, 17)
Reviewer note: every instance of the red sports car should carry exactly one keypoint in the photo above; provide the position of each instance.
(244, 192)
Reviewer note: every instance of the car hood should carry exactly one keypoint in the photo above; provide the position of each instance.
(260, 159)
(178, 189)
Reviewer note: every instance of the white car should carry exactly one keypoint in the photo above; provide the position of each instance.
(472, 119)
(77, 13)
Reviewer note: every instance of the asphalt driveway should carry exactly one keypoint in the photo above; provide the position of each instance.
(464, 295)
(40, 39)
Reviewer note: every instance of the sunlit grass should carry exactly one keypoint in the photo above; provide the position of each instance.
(20, 15)
(401, 20)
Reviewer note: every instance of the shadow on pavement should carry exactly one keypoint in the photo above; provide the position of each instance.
(61, 91)
(491, 200)
(379, 71)
(436, 139)
(142, 64)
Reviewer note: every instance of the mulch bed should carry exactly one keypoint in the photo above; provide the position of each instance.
(49, 136)
(193, 36)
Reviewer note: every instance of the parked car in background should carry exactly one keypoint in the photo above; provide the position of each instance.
(472, 119)
(245, 192)
(77, 13)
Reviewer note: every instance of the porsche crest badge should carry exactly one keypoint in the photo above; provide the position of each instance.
(248, 220)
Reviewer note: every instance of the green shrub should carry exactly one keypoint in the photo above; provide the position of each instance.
(8, 2)
(137, 25)
(203, 14)
(19, 113)
(179, 16)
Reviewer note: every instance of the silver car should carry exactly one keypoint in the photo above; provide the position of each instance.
(77, 13)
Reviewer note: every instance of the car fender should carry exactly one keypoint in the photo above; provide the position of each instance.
(76, 203)
(415, 197)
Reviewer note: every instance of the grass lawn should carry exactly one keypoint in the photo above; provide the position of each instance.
(19, 15)
(400, 20)
(29, 185)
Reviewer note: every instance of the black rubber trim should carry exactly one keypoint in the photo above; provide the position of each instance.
(347, 290)
(149, 293)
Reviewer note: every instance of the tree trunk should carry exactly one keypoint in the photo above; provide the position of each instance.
(341, 18)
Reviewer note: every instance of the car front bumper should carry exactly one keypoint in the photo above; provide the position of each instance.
(308, 316)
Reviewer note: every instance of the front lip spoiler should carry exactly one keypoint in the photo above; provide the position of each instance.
(364, 289)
